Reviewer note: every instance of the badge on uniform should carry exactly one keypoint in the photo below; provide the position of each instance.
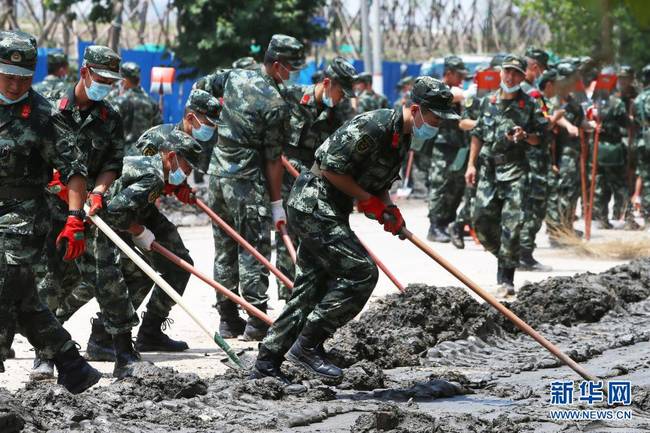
(149, 151)
(363, 144)
(153, 196)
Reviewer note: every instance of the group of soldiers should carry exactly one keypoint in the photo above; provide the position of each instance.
(99, 143)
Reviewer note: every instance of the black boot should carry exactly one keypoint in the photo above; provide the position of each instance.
(455, 231)
(43, 369)
(308, 352)
(152, 339)
(437, 234)
(100, 342)
(508, 281)
(268, 365)
(604, 224)
(499, 274)
(528, 263)
(255, 329)
(75, 374)
(230, 324)
(126, 357)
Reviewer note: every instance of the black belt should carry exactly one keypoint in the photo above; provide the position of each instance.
(303, 154)
(20, 192)
(506, 158)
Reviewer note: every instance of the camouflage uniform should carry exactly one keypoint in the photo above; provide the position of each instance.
(335, 275)
(52, 83)
(642, 118)
(34, 138)
(502, 176)
(369, 101)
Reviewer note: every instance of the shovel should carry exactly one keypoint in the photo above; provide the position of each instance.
(404, 191)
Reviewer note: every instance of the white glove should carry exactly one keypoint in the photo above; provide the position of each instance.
(144, 239)
(277, 211)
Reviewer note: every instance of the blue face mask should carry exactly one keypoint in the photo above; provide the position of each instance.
(293, 75)
(507, 89)
(177, 176)
(97, 91)
(424, 131)
(7, 101)
(327, 100)
(203, 132)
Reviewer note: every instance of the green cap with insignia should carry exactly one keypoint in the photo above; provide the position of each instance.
(455, 63)
(435, 96)
(343, 73)
(537, 54)
(496, 60)
(103, 61)
(185, 146)
(17, 54)
(626, 71)
(130, 70)
(513, 61)
(287, 49)
(364, 77)
(56, 58)
(244, 63)
(204, 103)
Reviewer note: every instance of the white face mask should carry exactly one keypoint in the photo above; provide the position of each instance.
(507, 89)
(7, 101)
(97, 91)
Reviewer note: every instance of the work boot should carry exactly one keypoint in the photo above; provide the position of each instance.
(508, 281)
(255, 329)
(268, 365)
(308, 352)
(499, 274)
(75, 374)
(152, 339)
(437, 234)
(528, 263)
(100, 342)
(43, 369)
(455, 231)
(231, 325)
(126, 357)
(603, 224)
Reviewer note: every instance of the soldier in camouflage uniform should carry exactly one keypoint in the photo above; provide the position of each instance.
(534, 207)
(246, 178)
(97, 128)
(509, 122)
(245, 63)
(627, 92)
(642, 121)
(57, 73)
(138, 110)
(404, 87)
(33, 139)
(313, 119)
(446, 181)
(335, 275)
(368, 99)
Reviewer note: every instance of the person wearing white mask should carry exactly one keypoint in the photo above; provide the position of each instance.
(509, 122)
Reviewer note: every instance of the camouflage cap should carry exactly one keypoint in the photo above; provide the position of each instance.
(363, 77)
(537, 54)
(645, 71)
(547, 76)
(56, 58)
(435, 96)
(343, 73)
(103, 61)
(204, 103)
(496, 60)
(626, 71)
(19, 33)
(513, 61)
(565, 70)
(184, 145)
(244, 63)
(404, 81)
(455, 63)
(17, 54)
(287, 49)
(130, 70)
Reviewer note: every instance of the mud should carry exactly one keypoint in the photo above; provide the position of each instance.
(431, 360)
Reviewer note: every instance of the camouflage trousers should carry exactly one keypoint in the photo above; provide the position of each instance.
(21, 309)
(498, 215)
(244, 205)
(129, 278)
(564, 191)
(643, 171)
(335, 276)
(611, 183)
(446, 187)
(534, 206)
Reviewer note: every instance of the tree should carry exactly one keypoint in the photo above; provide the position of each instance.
(213, 33)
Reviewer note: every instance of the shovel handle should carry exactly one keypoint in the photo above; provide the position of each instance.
(287, 242)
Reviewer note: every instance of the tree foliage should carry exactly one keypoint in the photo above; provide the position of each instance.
(213, 33)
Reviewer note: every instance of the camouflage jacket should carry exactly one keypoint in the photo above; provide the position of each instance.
(574, 113)
(133, 196)
(52, 84)
(34, 138)
(371, 148)
(614, 120)
(369, 101)
(213, 83)
(496, 118)
(642, 121)
(311, 124)
(139, 112)
(253, 126)
(98, 133)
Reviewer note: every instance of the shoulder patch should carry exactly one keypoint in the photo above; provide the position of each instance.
(149, 151)
(153, 196)
(363, 144)
(305, 99)
(25, 111)
(63, 103)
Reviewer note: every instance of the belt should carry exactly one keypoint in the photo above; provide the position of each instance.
(506, 158)
(301, 153)
(20, 192)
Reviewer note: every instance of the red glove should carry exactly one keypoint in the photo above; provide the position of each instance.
(393, 221)
(169, 189)
(73, 234)
(185, 194)
(373, 208)
(57, 187)
(95, 201)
